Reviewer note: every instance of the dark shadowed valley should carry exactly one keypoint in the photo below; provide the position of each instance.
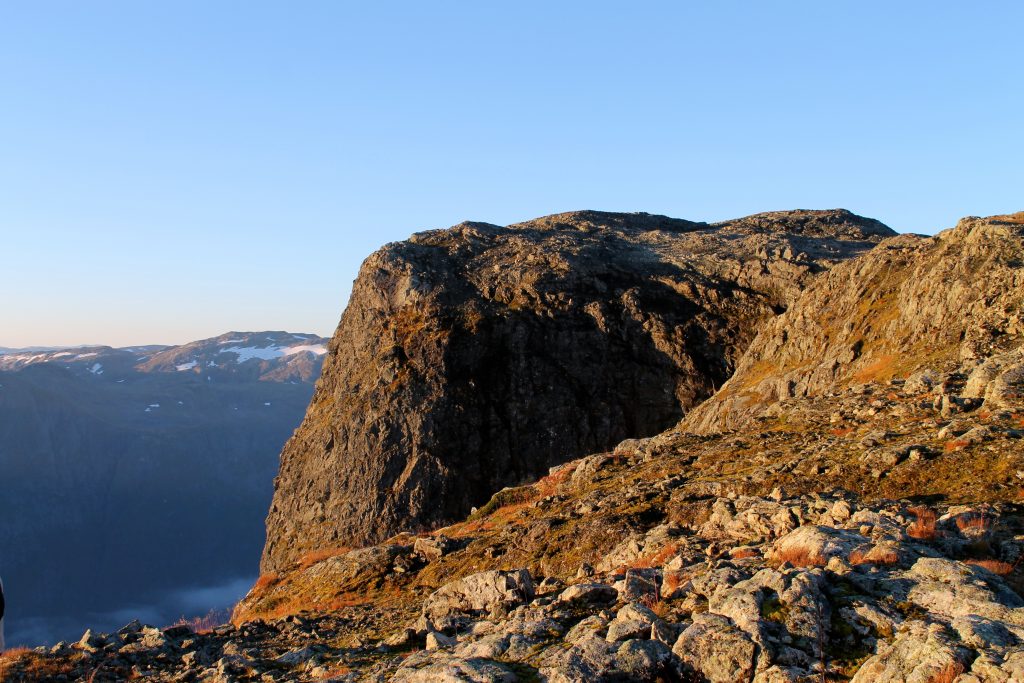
(136, 480)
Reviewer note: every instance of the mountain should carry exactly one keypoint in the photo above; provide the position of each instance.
(477, 357)
(265, 356)
(27, 349)
(135, 478)
(844, 508)
(946, 302)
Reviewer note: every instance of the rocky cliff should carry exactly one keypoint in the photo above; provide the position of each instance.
(952, 302)
(477, 357)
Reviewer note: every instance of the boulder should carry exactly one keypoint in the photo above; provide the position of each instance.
(478, 594)
(921, 654)
(715, 648)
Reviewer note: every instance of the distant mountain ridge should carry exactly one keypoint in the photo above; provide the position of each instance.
(279, 357)
(28, 349)
(137, 475)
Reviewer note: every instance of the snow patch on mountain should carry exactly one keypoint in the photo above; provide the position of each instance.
(246, 353)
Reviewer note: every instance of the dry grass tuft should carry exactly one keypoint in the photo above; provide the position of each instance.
(548, 485)
(656, 559)
(265, 583)
(23, 664)
(654, 602)
(881, 368)
(314, 556)
(878, 556)
(744, 553)
(206, 623)
(671, 582)
(799, 556)
(955, 445)
(995, 566)
(948, 673)
(976, 522)
(923, 526)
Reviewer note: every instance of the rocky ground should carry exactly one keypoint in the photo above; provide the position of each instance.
(871, 536)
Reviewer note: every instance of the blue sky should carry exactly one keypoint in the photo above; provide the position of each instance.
(173, 170)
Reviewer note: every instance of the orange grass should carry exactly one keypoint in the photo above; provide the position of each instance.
(799, 557)
(923, 526)
(314, 556)
(874, 556)
(995, 566)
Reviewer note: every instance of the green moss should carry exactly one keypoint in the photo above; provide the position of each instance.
(847, 650)
(523, 672)
(773, 609)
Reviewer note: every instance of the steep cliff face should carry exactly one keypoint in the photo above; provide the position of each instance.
(476, 357)
(949, 303)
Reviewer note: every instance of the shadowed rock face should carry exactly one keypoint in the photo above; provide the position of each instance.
(477, 357)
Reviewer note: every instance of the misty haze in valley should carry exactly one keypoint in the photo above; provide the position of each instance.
(137, 479)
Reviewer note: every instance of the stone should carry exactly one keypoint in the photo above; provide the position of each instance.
(478, 594)
(815, 545)
(434, 547)
(90, 642)
(716, 649)
(436, 640)
(589, 593)
(644, 660)
(632, 621)
(921, 653)
(453, 669)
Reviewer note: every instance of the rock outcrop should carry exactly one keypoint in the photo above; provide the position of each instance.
(914, 304)
(473, 358)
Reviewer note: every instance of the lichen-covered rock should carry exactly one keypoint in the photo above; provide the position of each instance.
(453, 669)
(815, 545)
(477, 594)
(632, 621)
(717, 649)
(588, 593)
(921, 654)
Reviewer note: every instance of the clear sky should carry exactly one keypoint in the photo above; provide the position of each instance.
(173, 170)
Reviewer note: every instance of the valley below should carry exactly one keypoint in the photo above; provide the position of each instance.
(136, 480)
